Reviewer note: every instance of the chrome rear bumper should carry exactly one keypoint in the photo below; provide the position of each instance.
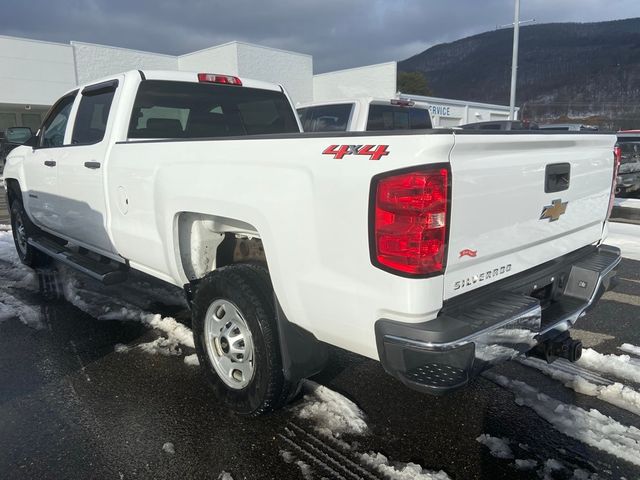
(445, 353)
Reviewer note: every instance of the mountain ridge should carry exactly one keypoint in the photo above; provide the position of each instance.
(567, 71)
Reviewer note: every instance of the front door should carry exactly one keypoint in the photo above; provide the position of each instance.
(41, 166)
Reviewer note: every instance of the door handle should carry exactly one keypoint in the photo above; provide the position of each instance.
(92, 165)
(50, 163)
(557, 177)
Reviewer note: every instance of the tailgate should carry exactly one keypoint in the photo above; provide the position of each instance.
(504, 222)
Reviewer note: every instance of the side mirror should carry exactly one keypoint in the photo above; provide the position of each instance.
(32, 142)
(18, 135)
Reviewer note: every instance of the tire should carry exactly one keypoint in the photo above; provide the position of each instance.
(22, 228)
(236, 338)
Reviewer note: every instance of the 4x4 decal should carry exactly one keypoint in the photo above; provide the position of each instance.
(374, 152)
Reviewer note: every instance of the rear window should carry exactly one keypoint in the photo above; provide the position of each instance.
(390, 117)
(167, 109)
(630, 147)
(326, 118)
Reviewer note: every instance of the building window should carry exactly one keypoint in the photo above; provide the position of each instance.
(31, 120)
(7, 120)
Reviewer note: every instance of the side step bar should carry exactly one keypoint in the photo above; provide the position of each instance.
(108, 273)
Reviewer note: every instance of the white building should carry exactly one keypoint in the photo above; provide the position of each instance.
(451, 113)
(33, 74)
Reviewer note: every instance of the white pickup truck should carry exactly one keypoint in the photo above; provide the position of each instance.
(364, 114)
(436, 252)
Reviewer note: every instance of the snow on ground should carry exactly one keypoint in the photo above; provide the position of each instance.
(626, 237)
(161, 346)
(103, 306)
(169, 448)
(627, 202)
(332, 413)
(614, 393)
(400, 471)
(287, 456)
(632, 349)
(11, 307)
(525, 464)
(499, 447)
(107, 303)
(550, 466)
(17, 276)
(192, 360)
(620, 366)
(590, 427)
(305, 469)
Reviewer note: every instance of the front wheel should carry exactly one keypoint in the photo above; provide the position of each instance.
(236, 339)
(22, 229)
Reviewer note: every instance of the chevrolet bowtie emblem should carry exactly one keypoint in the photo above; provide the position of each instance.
(553, 211)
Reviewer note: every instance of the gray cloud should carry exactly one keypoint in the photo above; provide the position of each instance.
(338, 33)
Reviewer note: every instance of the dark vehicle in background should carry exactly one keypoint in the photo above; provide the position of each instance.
(628, 180)
(504, 125)
(571, 127)
(11, 138)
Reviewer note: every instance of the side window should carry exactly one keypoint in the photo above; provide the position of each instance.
(93, 113)
(326, 118)
(55, 125)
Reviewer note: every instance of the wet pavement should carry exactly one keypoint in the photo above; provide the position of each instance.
(72, 407)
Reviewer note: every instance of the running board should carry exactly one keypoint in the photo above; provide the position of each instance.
(108, 273)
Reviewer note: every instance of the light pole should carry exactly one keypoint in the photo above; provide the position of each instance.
(514, 61)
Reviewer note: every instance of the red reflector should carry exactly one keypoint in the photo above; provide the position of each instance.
(410, 221)
(617, 153)
(215, 78)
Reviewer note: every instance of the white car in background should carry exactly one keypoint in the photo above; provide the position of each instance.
(364, 114)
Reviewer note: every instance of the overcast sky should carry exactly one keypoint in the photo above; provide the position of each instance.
(338, 33)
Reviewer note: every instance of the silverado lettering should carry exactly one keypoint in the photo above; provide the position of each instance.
(469, 281)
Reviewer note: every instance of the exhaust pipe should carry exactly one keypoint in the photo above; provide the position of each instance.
(562, 346)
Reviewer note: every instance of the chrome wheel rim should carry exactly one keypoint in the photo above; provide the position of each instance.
(229, 344)
(21, 234)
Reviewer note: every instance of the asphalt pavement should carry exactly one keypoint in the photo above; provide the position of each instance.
(75, 404)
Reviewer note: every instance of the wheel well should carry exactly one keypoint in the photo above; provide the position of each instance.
(13, 190)
(207, 242)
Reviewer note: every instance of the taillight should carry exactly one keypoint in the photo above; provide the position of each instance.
(409, 215)
(617, 158)
(215, 78)
(402, 103)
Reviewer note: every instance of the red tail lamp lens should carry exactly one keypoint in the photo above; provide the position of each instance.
(410, 221)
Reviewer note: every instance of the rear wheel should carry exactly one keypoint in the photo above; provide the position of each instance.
(236, 338)
(22, 229)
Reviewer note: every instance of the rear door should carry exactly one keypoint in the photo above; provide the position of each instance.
(81, 171)
(520, 200)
